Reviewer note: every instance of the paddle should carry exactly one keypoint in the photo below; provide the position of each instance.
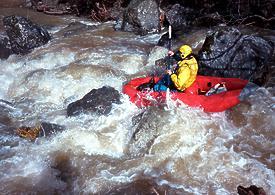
(169, 64)
(169, 47)
(151, 83)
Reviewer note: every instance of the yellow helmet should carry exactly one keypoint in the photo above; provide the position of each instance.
(185, 50)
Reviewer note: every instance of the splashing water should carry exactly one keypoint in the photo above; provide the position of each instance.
(184, 148)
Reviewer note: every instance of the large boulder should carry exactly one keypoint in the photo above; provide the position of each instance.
(96, 101)
(227, 52)
(24, 35)
(141, 17)
(180, 17)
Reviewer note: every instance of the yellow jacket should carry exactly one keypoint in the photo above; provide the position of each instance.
(186, 73)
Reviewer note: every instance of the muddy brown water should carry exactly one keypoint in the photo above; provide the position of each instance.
(191, 152)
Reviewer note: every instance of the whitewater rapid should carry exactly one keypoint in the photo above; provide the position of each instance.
(186, 149)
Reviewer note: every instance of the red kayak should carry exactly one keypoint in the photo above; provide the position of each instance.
(194, 96)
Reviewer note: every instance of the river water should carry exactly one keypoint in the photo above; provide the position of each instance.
(182, 148)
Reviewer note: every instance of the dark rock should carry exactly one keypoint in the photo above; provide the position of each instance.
(96, 101)
(248, 90)
(24, 35)
(226, 52)
(75, 28)
(48, 129)
(5, 49)
(180, 17)
(141, 17)
(251, 190)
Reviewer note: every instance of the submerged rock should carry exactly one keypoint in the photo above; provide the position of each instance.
(147, 127)
(96, 101)
(75, 28)
(50, 128)
(5, 113)
(24, 35)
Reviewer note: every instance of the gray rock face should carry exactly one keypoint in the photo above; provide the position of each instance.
(226, 52)
(148, 126)
(5, 49)
(96, 101)
(180, 17)
(24, 35)
(141, 16)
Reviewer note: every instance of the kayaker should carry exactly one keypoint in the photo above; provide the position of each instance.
(183, 75)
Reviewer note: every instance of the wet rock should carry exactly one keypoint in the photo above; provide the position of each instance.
(42, 130)
(24, 35)
(96, 101)
(48, 129)
(180, 17)
(5, 113)
(147, 127)
(248, 90)
(251, 190)
(226, 52)
(5, 49)
(141, 17)
(75, 28)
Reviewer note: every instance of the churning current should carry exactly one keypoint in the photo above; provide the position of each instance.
(185, 149)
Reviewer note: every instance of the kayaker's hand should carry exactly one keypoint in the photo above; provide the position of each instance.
(171, 53)
(169, 72)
